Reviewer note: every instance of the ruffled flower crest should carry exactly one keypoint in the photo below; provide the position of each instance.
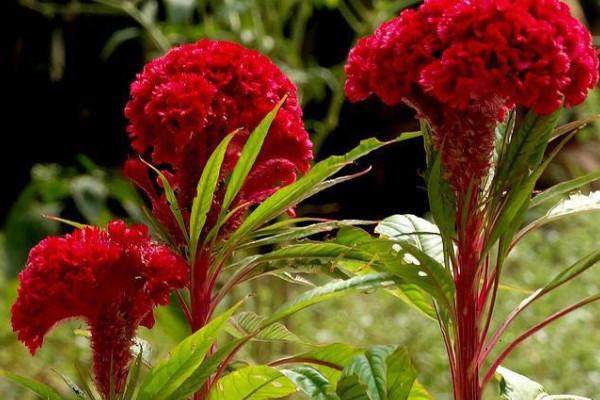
(112, 279)
(185, 102)
(463, 63)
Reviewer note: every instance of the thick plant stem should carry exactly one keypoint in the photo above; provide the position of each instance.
(468, 274)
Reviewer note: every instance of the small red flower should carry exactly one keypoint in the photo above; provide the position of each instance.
(185, 102)
(462, 64)
(111, 278)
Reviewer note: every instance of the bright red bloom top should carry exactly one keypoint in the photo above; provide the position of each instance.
(185, 102)
(111, 278)
(462, 64)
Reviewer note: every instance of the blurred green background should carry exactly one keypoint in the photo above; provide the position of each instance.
(68, 66)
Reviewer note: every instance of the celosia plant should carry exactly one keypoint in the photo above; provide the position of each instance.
(113, 279)
(465, 67)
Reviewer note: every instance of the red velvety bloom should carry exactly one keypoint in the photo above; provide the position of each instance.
(110, 278)
(185, 102)
(462, 64)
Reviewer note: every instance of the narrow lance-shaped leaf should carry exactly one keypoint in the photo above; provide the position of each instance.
(205, 370)
(327, 292)
(577, 203)
(246, 323)
(441, 199)
(205, 192)
(42, 390)
(171, 199)
(564, 188)
(248, 157)
(292, 194)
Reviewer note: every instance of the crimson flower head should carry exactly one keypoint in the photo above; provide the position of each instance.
(110, 278)
(185, 102)
(463, 63)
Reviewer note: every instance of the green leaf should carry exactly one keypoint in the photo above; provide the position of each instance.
(133, 376)
(256, 382)
(205, 191)
(526, 148)
(42, 390)
(518, 387)
(574, 126)
(433, 278)
(77, 391)
(330, 359)
(441, 199)
(371, 370)
(246, 323)
(311, 382)
(301, 232)
(401, 375)
(167, 376)
(564, 188)
(210, 364)
(85, 378)
(417, 231)
(411, 293)
(574, 270)
(577, 203)
(350, 388)
(327, 292)
(248, 157)
(171, 199)
(514, 386)
(289, 196)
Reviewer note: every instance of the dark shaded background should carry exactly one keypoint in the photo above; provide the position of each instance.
(54, 121)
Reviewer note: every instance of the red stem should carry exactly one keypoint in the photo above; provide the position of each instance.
(509, 349)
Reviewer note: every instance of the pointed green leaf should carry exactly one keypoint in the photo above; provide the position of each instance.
(577, 203)
(204, 371)
(171, 199)
(248, 157)
(289, 196)
(514, 386)
(419, 232)
(42, 390)
(167, 376)
(441, 199)
(205, 191)
(311, 382)
(245, 323)
(75, 389)
(371, 370)
(327, 292)
(401, 375)
(256, 382)
(564, 188)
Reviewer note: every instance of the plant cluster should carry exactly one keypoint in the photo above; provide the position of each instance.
(221, 152)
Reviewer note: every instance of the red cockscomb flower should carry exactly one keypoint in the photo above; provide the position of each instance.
(111, 278)
(462, 64)
(184, 103)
